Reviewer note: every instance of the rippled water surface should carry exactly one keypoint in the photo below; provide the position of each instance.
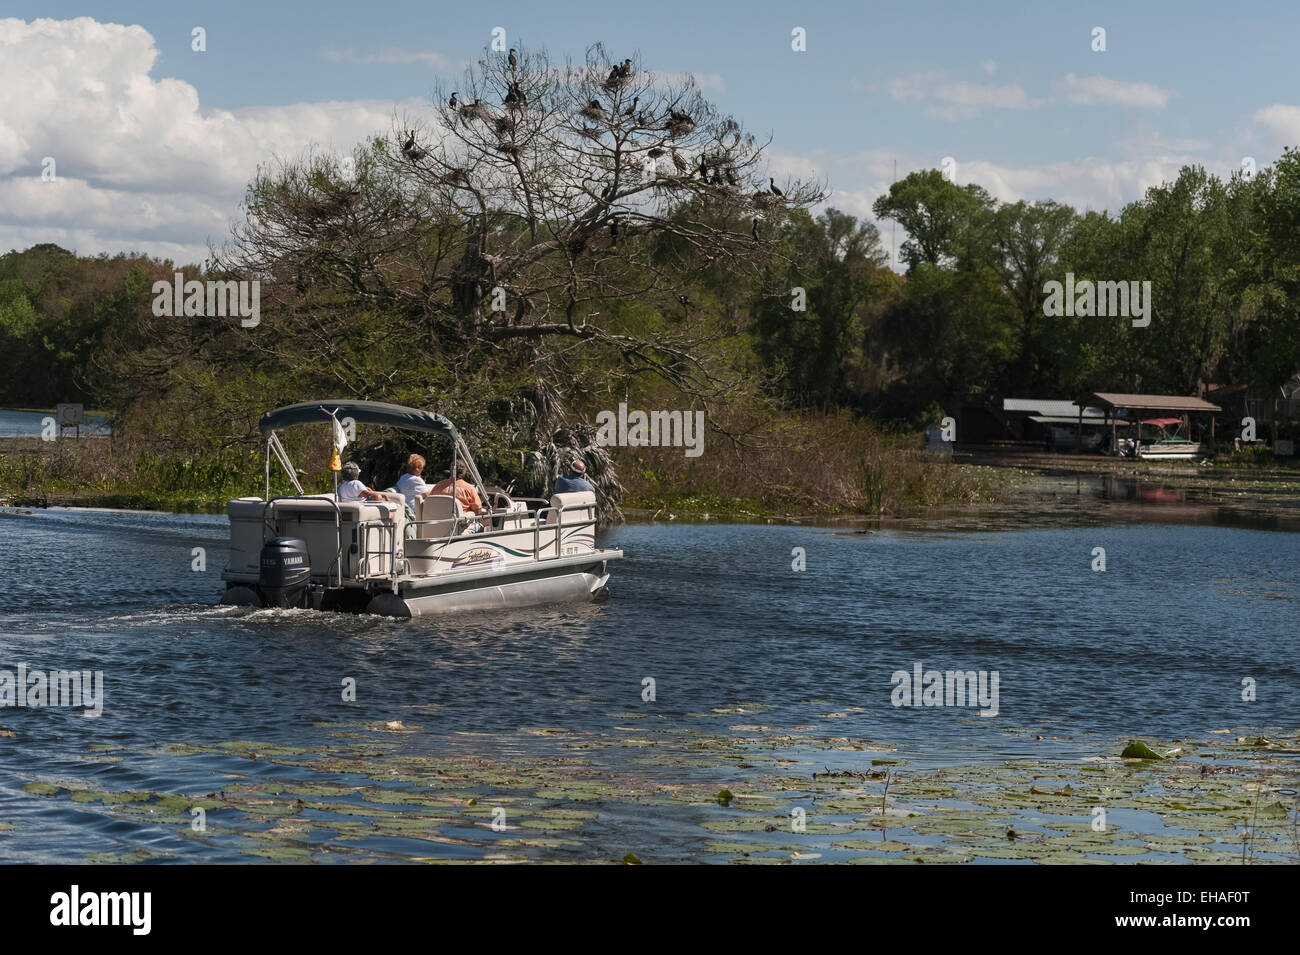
(1156, 645)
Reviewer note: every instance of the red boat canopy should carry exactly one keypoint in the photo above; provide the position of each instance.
(1163, 422)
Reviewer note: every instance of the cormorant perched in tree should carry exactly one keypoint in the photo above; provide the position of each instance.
(631, 109)
(679, 123)
(704, 168)
(410, 150)
(655, 152)
(613, 230)
(617, 74)
(754, 230)
(514, 62)
(683, 167)
(775, 191)
(594, 111)
(453, 102)
(515, 96)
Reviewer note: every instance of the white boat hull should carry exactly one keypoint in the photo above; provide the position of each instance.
(579, 585)
(1183, 452)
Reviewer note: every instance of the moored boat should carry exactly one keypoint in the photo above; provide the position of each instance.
(1162, 439)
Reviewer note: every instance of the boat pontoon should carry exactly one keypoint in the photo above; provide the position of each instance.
(313, 550)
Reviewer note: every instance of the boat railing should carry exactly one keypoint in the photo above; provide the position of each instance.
(386, 528)
(389, 540)
(337, 566)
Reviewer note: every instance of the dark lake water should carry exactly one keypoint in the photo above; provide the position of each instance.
(1158, 644)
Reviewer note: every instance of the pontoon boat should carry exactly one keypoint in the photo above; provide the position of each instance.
(1160, 439)
(313, 550)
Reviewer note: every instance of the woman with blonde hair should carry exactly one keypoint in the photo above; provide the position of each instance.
(411, 485)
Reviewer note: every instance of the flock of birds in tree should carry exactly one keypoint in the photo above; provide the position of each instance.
(715, 169)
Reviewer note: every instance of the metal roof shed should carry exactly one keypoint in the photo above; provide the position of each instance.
(1113, 402)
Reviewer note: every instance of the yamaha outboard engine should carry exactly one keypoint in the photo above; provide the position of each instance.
(285, 575)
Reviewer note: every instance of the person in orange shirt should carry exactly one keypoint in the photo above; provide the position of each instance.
(464, 491)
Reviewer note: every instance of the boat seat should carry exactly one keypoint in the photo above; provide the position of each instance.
(442, 508)
(578, 505)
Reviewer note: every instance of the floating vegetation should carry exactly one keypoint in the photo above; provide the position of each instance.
(1139, 750)
(754, 795)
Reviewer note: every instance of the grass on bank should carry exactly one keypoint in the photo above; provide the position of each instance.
(800, 464)
(804, 464)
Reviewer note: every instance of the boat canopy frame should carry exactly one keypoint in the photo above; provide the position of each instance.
(362, 412)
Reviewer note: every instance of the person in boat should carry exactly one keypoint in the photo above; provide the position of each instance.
(411, 484)
(575, 480)
(462, 489)
(352, 489)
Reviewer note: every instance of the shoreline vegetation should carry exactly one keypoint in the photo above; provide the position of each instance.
(828, 465)
(827, 468)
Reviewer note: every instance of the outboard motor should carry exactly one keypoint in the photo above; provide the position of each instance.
(285, 575)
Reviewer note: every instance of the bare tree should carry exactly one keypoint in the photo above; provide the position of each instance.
(534, 198)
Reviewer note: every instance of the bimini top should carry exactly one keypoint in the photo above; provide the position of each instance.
(363, 412)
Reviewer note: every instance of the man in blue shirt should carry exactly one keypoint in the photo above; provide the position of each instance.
(574, 480)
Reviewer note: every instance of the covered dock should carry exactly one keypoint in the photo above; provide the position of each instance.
(1115, 407)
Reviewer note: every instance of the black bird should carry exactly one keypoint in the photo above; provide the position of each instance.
(754, 231)
(515, 96)
(717, 177)
(631, 109)
(453, 102)
(410, 150)
(679, 124)
(683, 167)
(613, 230)
(775, 191)
(513, 60)
(704, 168)
(594, 111)
(655, 152)
(626, 69)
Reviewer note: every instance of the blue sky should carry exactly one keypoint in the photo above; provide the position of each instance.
(1012, 91)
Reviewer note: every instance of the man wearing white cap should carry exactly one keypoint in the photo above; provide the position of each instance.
(574, 480)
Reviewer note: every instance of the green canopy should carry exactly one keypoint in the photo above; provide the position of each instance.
(363, 412)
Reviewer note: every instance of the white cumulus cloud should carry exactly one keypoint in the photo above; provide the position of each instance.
(139, 164)
(1092, 90)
